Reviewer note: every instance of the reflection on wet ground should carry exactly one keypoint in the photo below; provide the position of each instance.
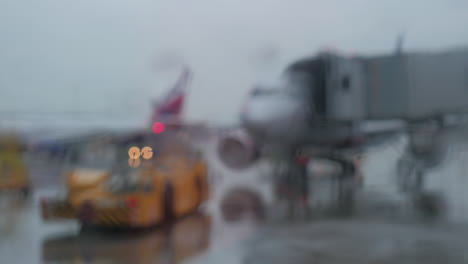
(173, 243)
(240, 203)
(236, 228)
(65, 242)
(25, 238)
(359, 242)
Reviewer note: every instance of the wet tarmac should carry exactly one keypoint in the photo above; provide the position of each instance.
(385, 228)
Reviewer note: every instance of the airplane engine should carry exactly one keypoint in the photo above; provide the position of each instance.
(237, 150)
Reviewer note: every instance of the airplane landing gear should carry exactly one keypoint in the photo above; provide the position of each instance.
(346, 185)
(299, 188)
(292, 188)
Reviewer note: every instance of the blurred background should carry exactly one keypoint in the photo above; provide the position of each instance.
(82, 82)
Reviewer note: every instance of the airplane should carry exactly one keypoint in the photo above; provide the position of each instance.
(276, 124)
(315, 110)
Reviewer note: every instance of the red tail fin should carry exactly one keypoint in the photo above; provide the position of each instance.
(170, 108)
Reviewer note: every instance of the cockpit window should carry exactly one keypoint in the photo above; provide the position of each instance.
(259, 91)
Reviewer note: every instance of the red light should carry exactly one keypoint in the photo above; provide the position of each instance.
(158, 127)
(132, 202)
(303, 160)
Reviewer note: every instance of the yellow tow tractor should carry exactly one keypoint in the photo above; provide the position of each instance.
(13, 171)
(107, 187)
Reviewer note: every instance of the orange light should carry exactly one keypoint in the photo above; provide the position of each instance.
(147, 152)
(134, 152)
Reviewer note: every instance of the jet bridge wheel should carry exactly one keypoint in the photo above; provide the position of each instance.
(426, 149)
(410, 175)
(410, 181)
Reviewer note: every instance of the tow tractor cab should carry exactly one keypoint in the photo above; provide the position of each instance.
(105, 187)
(13, 171)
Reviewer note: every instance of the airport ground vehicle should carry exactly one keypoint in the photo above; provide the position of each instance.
(103, 190)
(13, 171)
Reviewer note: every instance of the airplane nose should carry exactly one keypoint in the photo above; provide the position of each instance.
(260, 113)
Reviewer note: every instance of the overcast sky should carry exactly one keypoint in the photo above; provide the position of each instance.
(111, 56)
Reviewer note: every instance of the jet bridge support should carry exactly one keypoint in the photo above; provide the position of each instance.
(426, 148)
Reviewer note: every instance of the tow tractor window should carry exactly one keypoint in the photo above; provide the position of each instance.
(94, 156)
(128, 183)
